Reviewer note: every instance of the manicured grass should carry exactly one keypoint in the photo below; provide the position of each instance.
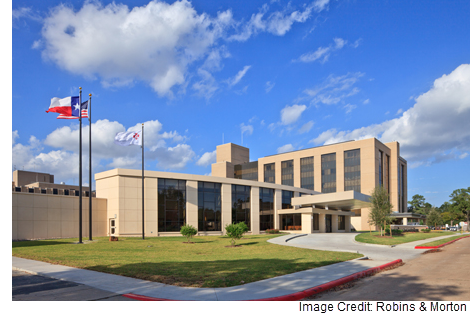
(398, 239)
(207, 263)
(442, 241)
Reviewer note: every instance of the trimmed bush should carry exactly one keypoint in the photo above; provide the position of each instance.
(426, 230)
(394, 232)
(189, 231)
(272, 231)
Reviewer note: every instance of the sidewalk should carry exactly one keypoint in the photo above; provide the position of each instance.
(269, 288)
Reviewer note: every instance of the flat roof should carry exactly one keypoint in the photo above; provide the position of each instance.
(345, 200)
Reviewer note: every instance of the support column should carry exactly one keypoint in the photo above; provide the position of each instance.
(191, 203)
(348, 223)
(254, 208)
(226, 194)
(307, 223)
(322, 223)
(334, 223)
(277, 206)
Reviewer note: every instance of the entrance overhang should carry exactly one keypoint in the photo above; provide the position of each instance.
(345, 200)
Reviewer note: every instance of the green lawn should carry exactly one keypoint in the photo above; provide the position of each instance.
(207, 263)
(444, 240)
(405, 238)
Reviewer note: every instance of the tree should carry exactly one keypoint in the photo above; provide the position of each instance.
(416, 203)
(381, 207)
(460, 203)
(189, 231)
(434, 218)
(235, 231)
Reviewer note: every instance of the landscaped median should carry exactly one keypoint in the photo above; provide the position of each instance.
(440, 243)
(406, 237)
(209, 262)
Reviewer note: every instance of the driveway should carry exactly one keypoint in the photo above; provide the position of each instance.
(438, 276)
(344, 242)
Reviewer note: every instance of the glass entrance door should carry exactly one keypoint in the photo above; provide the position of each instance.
(328, 223)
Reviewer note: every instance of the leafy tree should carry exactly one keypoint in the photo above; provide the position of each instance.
(381, 207)
(243, 226)
(416, 203)
(235, 231)
(189, 231)
(460, 203)
(434, 218)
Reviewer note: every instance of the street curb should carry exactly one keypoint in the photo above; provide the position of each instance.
(298, 295)
(442, 245)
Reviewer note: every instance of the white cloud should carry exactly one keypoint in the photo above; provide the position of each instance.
(290, 114)
(269, 86)
(207, 158)
(322, 53)
(306, 127)
(248, 129)
(399, 111)
(334, 90)
(367, 101)
(349, 108)
(285, 148)
(277, 23)
(25, 13)
(153, 43)
(231, 82)
(320, 5)
(433, 130)
(63, 160)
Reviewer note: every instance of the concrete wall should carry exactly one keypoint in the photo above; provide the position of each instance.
(40, 216)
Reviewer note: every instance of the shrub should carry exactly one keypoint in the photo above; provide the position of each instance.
(394, 232)
(272, 231)
(235, 231)
(426, 230)
(189, 231)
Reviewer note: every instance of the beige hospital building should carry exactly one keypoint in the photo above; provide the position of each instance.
(317, 190)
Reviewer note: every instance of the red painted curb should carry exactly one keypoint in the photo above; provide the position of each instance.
(298, 295)
(431, 247)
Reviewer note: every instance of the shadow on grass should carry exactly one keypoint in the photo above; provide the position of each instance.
(16, 244)
(220, 273)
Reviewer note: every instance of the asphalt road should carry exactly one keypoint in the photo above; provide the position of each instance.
(438, 276)
(29, 287)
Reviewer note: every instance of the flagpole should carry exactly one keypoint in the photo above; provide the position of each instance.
(143, 234)
(80, 171)
(89, 163)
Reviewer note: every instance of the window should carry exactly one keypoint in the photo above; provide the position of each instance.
(247, 171)
(352, 170)
(306, 173)
(381, 173)
(287, 199)
(341, 222)
(328, 173)
(241, 207)
(291, 222)
(209, 206)
(316, 221)
(266, 208)
(287, 173)
(171, 204)
(269, 173)
(387, 173)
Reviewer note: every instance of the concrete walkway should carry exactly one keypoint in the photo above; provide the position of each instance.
(269, 288)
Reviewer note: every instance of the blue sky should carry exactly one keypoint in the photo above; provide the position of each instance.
(280, 75)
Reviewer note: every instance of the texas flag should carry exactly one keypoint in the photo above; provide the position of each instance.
(64, 105)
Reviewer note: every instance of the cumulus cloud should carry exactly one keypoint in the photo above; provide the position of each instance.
(290, 114)
(248, 129)
(269, 86)
(154, 43)
(433, 130)
(166, 148)
(285, 148)
(207, 158)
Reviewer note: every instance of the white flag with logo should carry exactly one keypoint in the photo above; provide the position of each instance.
(128, 138)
